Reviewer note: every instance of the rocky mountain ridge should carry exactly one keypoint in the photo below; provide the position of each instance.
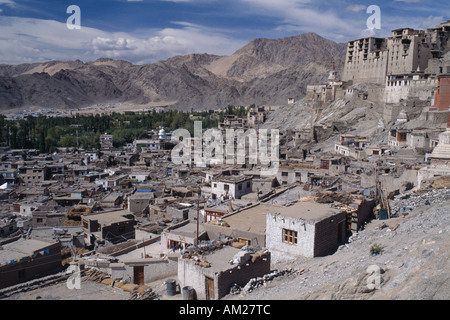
(266, 71)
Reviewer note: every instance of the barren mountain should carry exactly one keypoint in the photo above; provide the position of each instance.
(266, 71)
(263, 57)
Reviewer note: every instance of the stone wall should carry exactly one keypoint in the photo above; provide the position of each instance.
(329, 233)
(274, 237)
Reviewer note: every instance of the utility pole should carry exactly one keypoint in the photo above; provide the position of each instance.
(198, 214)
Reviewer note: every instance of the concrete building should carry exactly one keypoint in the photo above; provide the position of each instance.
(403, 87)
(7, 227)
(115, 226)
(442, 95)
(296, 173)
(24, 260)
(327, 92)
(10, 176)
(139, 176)
(366, 61)
(352, 146)
(256, 116)
(182, 235)
(247, 226)
(370, 60)
(305, 229)
(140, 201)
(33, 175)
(106, 142)
(112, 200)
(233, 122)
(230, 187)
(398, 137)
(143, 270)
(213, 276)
(180, 211)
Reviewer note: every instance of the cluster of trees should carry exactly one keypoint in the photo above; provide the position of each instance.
(83, 131)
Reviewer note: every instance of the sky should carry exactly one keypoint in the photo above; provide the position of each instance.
(148, 31)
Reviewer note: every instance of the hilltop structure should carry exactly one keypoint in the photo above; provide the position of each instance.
(407, 70)
(371, 60)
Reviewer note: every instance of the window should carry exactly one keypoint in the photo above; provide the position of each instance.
(402, 136)
(290, 236)
(245, 241)
(284, 174)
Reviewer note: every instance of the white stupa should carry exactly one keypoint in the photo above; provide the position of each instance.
(333, 77)
(402, 116)
(440, 160)
(440, 157)
(162, 134)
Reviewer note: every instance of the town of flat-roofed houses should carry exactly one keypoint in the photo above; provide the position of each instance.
(350, 201)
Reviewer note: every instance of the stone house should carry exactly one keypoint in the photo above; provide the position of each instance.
(231, 187)
(24, 260)
(182, 235)
(213, 277)
(305, 229)
(114, 226)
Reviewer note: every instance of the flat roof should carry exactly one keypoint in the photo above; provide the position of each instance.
(109, 217)
(251, 220)
(309, 211)
(188, 230)
(219, 259)
(232, 178)
(254, 219)
(22, 248)
(142, 195)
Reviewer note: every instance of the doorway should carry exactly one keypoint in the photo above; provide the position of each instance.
(139, 278)
(209, 288)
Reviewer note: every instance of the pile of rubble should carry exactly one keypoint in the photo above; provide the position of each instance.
(330, 197)
(205, 248)
(404, 203)
(34, 284)
(137, 292)
(259, 282)
(95, 275)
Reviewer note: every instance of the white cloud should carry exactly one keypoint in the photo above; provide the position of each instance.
(431, 22)
(8, 2)
(302, 16)
(25, 40)
(356, 8)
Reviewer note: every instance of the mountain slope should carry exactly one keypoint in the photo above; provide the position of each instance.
(266, 71)
(263, 57)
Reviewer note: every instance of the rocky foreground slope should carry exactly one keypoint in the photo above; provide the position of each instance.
(414, 263)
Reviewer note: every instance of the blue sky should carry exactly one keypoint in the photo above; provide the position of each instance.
(148, 31)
